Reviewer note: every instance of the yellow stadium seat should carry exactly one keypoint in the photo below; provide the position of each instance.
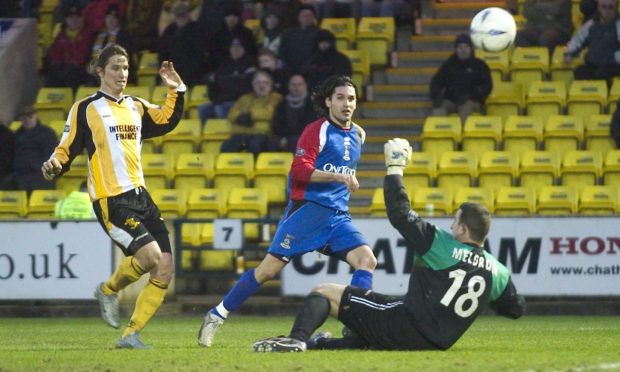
(611, 168)
(587, 97)
(563, 133)
(77, 174)
(441, 134)
(614, 94)
(206, 233)
(248, 203)
(557, 201)
(432, 201)
(183, 139)
(498, 62)
(214, 132)
(456, 169)
(480, 195)
(159, 95)
(376, 35)
(506, 98)
(158, 170)
(207, 203)
(193, 171)
(141, 91)
(522, 133)
(217, 260)
(233, 169)
(344, 30)
(190, 235)
(482, 134)
(598, 200)
(53, 103)
(377, 204)
(561, 71)
(498, 169)
(13, 204)
(58, 126)
(172, 203)
(42, 202)
(539, 168)
(360, 63)
(198, 95)
(515, 201)
(83, 91)
(546, 98)
(148, 69)
(529, 64)
(581, 168)
(271, 175)
(254, 25)
(151, 145)
(597, 136)
(421, 171)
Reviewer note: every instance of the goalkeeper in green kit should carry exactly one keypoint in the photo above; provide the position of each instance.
(453, 278)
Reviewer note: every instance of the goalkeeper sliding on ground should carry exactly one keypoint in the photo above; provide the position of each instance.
(453, 279)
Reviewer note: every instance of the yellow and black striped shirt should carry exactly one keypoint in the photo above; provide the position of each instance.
(111, 130)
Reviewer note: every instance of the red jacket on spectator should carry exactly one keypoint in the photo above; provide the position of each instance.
(76, 51)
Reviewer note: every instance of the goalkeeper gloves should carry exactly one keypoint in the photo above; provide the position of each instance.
(397, 153)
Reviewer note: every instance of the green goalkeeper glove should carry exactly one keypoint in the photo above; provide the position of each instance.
(397, 153)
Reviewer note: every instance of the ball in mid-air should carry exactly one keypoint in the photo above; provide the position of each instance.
(493, 30)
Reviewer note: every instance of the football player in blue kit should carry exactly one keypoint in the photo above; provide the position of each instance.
(321, 180)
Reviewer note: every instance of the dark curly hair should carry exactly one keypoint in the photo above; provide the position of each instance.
(101, 59)
(326, 89)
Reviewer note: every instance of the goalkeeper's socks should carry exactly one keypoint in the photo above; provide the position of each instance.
(245, 287)
(311, 316)
(149, 300)
(362, 278)
(127, 272)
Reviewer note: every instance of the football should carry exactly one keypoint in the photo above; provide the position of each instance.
(493, 29)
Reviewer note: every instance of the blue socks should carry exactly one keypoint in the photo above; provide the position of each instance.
(245, 287)
(362, 279)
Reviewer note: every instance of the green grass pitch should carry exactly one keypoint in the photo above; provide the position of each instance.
(491, 344)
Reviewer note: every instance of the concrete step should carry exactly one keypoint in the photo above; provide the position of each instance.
(411, 92)
(445, 26)
(435, 43)
(420, 59)
(462, 9)
(410, 75)
(396, 109)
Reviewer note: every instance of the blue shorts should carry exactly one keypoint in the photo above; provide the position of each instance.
(307, 227)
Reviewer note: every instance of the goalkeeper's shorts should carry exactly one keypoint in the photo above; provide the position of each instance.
(307, 226)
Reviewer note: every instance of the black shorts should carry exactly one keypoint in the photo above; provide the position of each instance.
(382, 321)
(132, 220)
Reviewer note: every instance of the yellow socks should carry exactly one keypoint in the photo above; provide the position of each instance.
(128, 272)
(149, 300)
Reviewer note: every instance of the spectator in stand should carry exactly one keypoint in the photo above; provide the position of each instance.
(614, 127)
(383, 8)
(462, 83)
(181, 43)
(267, 60)
(272, 30)
(166, 17)
(325, 60)
(34, 142)
(341, 9)
(600, 35)
(229, 82)
(233, 29)
(549, 23)
(287, 9)
(211, 17)
(588, 9)
(70, 52)
(297, 43)
(292, 114)
(7, 153)
(252, 117)
(95, 13)
(113, 33)
(141, 24)
(63, 8)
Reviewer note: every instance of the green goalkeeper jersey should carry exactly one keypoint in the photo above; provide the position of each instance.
(451, 281)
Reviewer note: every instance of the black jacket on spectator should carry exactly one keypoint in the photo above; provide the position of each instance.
(459, 81)
(296, 47)
(232, 79)
(221, 40)
(32, 148)
(7, 152)
(325, 63)
(614, 128)
(185, 48)
(289, 121)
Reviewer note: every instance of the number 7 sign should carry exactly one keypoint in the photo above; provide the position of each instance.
(227, 234)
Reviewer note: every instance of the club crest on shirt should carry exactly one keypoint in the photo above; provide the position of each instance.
(286, 244)
(347, 146)
(300, 152)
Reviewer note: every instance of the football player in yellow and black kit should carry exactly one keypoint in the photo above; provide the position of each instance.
(111, 126)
